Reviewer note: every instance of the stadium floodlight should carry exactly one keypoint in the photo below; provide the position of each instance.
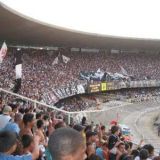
(124, 18)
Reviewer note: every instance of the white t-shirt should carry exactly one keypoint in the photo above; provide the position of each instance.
(4, 119)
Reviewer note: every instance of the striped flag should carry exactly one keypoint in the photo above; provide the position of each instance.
(3, 51)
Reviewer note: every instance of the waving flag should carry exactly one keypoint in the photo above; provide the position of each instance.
(55, 61)
(3, 51)
(124, 72)
(18, 71)
(65, 59)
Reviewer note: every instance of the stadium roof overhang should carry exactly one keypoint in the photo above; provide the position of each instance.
(17, 29)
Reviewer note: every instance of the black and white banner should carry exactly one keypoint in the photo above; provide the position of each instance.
(56, 94)
(18, 71)
(102, 76)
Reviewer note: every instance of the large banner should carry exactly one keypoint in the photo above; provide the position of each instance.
(144, 83)
(50, 98)
(55, 95)
(95, 76)
(99, 75)
(69, 91)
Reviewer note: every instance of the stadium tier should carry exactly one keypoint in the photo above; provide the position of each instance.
(47, 75)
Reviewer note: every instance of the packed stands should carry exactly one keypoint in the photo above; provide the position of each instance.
(37, 68)
(38, 133)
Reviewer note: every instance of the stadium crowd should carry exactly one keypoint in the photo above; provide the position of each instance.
(92, 102)
(76, 103)
(37, 68)
(135, 95)
(29, 133)
(32, 135)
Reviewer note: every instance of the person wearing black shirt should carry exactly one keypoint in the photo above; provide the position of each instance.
(113, 142)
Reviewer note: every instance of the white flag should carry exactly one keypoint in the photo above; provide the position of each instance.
(99, 70)
(18, 71)
(55, 61)
(65, 59)
(124, 72)
(3, 51)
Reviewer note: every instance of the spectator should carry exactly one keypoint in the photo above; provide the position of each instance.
(40, 132)
(113, 141)
(103, 130)
(121, 150)
(91, 153)
(121, 147)
(28, 120)
(91, 137)
(28, 144)
(143, 154)
(5, 117)
(16, 125)
(8, 146)
(150, 150)
(38, 116)
(102, 151)
(84, 121)
(135, 153)
(66, 143)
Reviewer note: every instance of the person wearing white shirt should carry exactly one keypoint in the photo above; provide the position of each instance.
(5, 117)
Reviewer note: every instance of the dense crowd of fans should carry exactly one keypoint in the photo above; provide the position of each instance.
(31, 135)
(40, 76)
(96, 100)
(92, 102)
(77, 103)
(135, 95)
